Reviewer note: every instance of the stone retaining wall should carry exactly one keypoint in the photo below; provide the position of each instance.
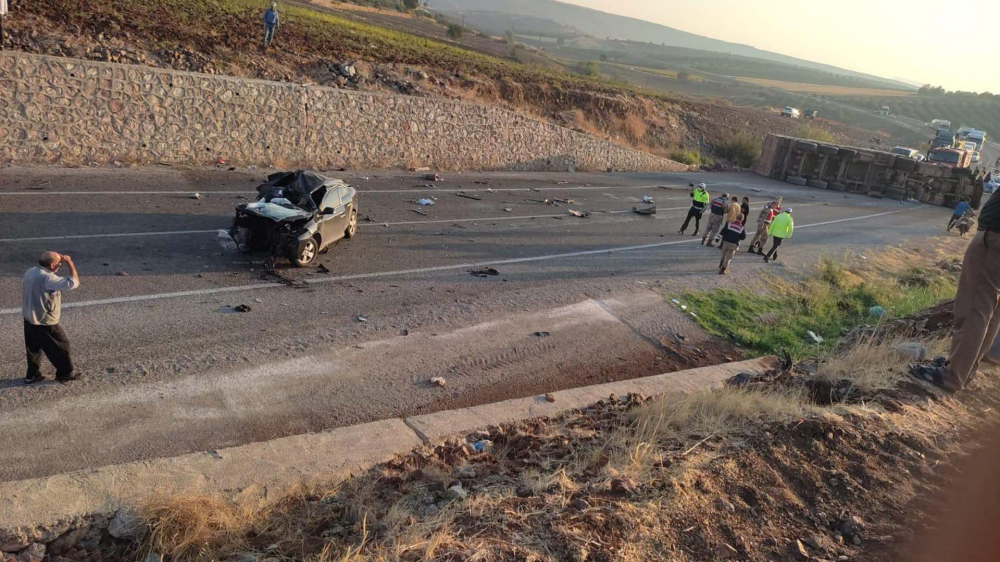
(57, 110)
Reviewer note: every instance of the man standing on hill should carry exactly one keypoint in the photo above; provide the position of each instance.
(717, 218)
(41, 307)
(699, 200)
(977, 306)
(270, 23)
(781, 229)
(767, 215)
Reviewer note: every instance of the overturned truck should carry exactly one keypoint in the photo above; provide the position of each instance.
(860, 170)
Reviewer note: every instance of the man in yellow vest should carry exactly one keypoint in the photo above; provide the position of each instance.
(781, 229)
(699, 201)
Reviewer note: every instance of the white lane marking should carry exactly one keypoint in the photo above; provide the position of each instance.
(224, 233)
(110, 235)
(410, 190)
(377, 274)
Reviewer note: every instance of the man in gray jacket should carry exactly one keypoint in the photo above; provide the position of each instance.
(41, 307)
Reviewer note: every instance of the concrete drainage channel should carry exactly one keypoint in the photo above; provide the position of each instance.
(86, 509)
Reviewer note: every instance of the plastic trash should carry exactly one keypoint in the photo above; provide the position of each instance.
(876, 311)
(647, 199)
(424, 202)
(815, 337)
(482, 445)
(439, 381)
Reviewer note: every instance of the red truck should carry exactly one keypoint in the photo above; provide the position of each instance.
(950, 157)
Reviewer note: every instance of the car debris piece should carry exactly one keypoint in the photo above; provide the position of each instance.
(241, 308)
(814, 336)
(439, 381)
(432, 177)
(647, 199)
(196, 196)
(467, 196)
(508, 210)
(484, 272)
(541, 334)
(566, 201)
(561, 182)
(419, 212)
(650, 210)
(296, 215)
(425, 202)
(582, 215)
(122, 274)
(362, 318)
(322, 269)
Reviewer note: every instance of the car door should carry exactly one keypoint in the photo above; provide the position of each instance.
(333, 225)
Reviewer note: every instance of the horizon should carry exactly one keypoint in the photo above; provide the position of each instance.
(903, 56)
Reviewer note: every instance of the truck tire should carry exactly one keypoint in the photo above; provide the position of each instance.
(827, 149)
(795, 180)
(893, 193)
(905, 164)
(836, 186)
(818, 184)
(847, 153)
(805, 146)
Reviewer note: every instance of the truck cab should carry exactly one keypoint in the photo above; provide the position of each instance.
(943, 139)
(950, 157)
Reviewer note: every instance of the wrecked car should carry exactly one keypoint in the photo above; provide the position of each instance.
(297, 215)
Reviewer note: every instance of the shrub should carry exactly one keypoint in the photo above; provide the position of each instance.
(689, 157)
(588, 68)
(740, 149)
(815, 133)
(455, 31)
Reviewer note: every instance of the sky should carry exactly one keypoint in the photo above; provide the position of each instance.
(955, 44)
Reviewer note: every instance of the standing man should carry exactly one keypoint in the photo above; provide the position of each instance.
(41, 307)
(734, 233)
(960, 209)
(270, 23)
(977, 306)
(745, 210)
(781, 229)
(767, 215)
(699, 201)
(717, 218)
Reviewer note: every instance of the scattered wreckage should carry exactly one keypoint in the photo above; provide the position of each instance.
(297, 215)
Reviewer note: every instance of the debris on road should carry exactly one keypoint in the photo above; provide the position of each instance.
(467, 196)
(241, 308)
(122, 274)
(566, 201)
(196, 196)
(484, 272)
(432, 177)
(508, 210)
(362, 318)
(650, 210)
(425, 202)
(322, 269)
(541, 334)
(439, 382)
(647, 199)
(582, 215)
(419, 212)
(562, 182)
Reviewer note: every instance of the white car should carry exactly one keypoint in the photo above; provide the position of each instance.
(976, 157)
(790, 112)
(992, 185)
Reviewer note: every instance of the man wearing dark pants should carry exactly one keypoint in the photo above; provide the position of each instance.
(699, 200)
(41, 308)
(977, 305)
(781, 228)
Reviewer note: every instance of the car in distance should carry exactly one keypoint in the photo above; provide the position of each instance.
(908, 152)
(297, 215)
(790, 112)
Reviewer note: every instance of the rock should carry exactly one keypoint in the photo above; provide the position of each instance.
(456, 492)
(14, 544)
(622, 486)
(549, 397)
(68, 540)
(851, 527)
(439, 381)
(579, 504)
(92, 539)
(524, 492)
(911, 351)
(124, 525)
(814, 542)
(34, 553)
(725, 552)
(464, 471)
(802, 550)
(725, 505)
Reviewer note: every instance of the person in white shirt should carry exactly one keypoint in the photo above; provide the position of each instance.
(41, 308)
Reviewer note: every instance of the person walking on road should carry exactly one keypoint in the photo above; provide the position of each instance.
(764, 219)
(960, 210)
(717, 218)
(781, 229)
(977, 306)
(270, 23)
(745, 209)
(41, 308)
(734, 233)
(699, 201)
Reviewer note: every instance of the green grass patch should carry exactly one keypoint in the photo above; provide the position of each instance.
(829, 302)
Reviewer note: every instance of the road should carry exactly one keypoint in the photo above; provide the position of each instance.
(171, 368)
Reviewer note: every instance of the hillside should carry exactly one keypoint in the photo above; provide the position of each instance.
(604, 25)
(221, 37)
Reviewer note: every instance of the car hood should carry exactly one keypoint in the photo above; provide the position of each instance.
(277, 210)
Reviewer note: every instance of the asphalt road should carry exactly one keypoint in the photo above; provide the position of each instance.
(171, 368)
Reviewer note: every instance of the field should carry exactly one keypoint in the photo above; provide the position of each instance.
(825, 89)
(962, 111)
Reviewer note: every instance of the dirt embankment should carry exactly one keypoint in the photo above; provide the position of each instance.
(222, 37)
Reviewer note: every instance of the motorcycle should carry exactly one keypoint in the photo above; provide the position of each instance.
(965, 223)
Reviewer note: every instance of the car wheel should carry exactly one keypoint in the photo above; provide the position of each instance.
(306, 253)
(352, 225)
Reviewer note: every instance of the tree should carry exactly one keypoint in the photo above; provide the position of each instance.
(684, 76)
(411, 4)
(510, 37)
(455, 32)
(588, 68)
(604, 57)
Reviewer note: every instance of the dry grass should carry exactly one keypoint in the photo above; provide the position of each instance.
(825, 89)
(198, 527)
